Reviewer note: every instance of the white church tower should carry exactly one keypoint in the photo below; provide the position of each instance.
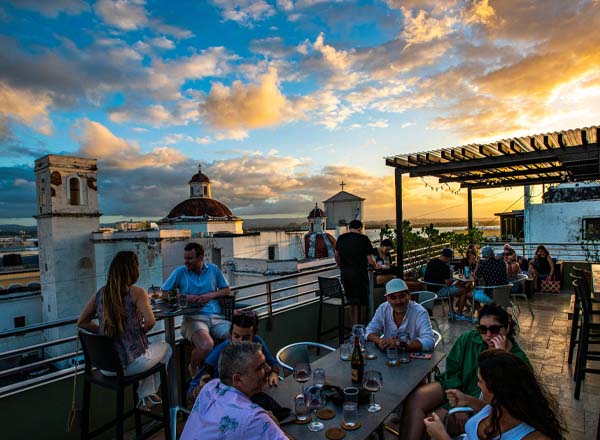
(67, 214)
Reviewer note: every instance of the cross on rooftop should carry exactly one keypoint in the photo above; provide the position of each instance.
(342, 185)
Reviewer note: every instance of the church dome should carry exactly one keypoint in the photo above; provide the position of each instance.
(200, 207)
(316, 212)
(199, 177)
(319, 245)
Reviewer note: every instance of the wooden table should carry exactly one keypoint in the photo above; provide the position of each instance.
(398, 383)
(595, 278)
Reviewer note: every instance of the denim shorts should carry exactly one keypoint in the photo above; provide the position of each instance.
(480, 296)
(444, 292)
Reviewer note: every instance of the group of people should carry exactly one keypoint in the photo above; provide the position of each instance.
(486, 369)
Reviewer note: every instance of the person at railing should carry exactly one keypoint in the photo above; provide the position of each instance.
(382, 257)
(513, 404)
(223, 408)
(490, 272)
(541, 266)
(203, 283)
(400, 314)
(495, 329)
(439, 276)
(244, 326)
(512, 267)
(353, 254)
(124, 313)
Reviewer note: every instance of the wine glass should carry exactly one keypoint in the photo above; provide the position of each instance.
(155, 293)
(302, 373)
(403, 338)
(319, 377)
(372, 381)
(315, 399)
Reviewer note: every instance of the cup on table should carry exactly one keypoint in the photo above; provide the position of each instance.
(351, 394)
(155, 292)
(350, 415)
(300, 407)
(182, 301)
(371, 350)
(345, 351)
(392, 355)
(319, 377)
(467, 272)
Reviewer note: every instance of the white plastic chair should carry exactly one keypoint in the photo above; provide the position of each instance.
(427, 299)
(521, 278)
(448, 298)
(297, 352)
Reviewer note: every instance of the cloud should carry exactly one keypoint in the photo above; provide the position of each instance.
(162, 43)
(99, 142)
(52, 9)
(244, 12)
(246, 106)
(422, 28)
(29, 108)
(378, 124)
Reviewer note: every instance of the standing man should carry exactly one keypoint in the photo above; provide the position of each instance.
(223, 409)
(353, 254)
(203, 283)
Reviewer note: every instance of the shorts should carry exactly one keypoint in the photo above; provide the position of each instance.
(480, 296)
(356, 287)
(444, 292)
(215, 325)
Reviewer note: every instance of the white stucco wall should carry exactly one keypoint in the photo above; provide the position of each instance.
(342, 210)
(28, 304)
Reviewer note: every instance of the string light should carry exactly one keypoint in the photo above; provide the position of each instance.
(441, 187)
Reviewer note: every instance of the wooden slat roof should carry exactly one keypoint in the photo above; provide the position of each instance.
(562, 156)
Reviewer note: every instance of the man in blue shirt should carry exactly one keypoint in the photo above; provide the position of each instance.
(203, 283)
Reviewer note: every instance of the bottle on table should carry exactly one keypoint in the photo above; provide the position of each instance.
(357, 363)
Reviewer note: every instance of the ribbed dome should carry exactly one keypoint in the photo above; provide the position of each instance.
(316, 212)
(199, 207)
(199, 177)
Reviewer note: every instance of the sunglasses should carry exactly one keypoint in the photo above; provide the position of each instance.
(493, 329)
(506, 254)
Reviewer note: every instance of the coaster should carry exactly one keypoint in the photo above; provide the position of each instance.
(326, 413)
(335, 433)
(303, 422)
(351, 428)
(392, 365)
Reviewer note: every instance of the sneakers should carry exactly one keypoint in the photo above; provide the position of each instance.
(461, 317)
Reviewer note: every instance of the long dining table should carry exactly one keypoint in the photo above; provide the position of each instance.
(398, 382)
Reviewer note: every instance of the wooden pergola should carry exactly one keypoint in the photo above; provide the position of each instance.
(562, 156)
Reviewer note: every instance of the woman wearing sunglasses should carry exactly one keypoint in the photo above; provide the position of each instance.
(494, 331)
(513, 405)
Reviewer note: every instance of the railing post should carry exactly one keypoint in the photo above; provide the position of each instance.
(269, 307)
(371, 293)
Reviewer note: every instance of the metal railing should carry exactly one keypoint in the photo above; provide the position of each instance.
(560, 251)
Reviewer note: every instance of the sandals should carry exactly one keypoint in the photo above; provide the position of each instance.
(146, 403)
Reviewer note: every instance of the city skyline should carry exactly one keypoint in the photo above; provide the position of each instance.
(280, 101)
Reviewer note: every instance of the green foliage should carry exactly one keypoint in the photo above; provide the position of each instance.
(459, 241)
(590, 244)
(427, 237)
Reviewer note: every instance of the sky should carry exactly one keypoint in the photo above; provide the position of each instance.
(281, 101)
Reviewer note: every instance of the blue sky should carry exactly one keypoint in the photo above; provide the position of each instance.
(281, 100)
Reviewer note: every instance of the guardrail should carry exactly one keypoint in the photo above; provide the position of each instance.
(560, 251)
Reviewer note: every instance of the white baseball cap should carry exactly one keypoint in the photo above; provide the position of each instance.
(395, 285)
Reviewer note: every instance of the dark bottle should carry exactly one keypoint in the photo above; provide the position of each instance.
(172, 297)
(357, 363)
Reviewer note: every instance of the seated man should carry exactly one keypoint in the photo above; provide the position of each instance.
(223, 409)
(244, 326)
(490, 272)
(438, 272)
(400, 314)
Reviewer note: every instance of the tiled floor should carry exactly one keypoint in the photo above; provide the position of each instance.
(545, 340)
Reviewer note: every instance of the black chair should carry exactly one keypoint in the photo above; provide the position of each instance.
(227, 304)
(576, 318)
(331, 293)
(100, 353)
(588, 329)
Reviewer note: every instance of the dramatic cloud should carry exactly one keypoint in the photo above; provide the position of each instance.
(423, 28)
(244, 12)
(27, 107)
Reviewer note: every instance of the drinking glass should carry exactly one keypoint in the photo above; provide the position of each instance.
(350, 416)
(300, 407)
(182, 301)
(351, 394)
(359, 330)
(302, 374)
(345, 351)
(315, 399)
(372, 381)
(319, 377)
(155, 292)
(402, 339)
(392, 355)
(371, 351)
(467, 272)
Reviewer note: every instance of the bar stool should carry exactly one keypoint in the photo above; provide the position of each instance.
(587, 327)
(332, 294)
(99, 352)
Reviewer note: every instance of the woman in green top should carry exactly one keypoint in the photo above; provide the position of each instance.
(494, 330)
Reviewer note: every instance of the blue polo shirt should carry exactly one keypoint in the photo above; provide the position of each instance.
(209, 279)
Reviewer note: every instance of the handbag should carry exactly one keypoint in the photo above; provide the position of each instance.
(74, 417)
(550, 285)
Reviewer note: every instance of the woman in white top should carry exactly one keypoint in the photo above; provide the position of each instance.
(400, 314)
(514, 405)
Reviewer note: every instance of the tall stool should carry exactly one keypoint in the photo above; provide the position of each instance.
(588, 326)
(331, 293)
(100, 353)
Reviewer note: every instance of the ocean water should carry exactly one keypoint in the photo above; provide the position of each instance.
(488, 231)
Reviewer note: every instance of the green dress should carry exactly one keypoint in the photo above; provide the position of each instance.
(461, 363)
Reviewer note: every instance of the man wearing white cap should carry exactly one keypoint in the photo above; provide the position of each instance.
(400, 314)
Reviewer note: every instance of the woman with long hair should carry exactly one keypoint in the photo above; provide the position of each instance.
(495, 330)
(514, 404)
(382, 257)
(124, 314)
(541, 266)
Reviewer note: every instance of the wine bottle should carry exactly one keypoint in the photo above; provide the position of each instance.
(357, 363)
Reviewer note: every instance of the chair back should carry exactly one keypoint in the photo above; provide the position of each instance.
(426, 298)
(330, 287)
(501, 295)
(438, 338)
(582, 292)
(296, 353)
(99, 351)
(227, 304)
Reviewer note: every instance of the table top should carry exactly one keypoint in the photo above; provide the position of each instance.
(162, 309)
(398, 383)
(461, 277)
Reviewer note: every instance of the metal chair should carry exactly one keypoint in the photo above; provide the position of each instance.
(452, 411)
(332, 294)
(297, 352)
(588, 326)
(427, 299)
(438, 286)
(521, 278)
(574, 338)
(99, 352)
(501, 295)
(438, 338)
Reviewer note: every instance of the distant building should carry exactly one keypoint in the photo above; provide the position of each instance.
(342, 208)
(318, 243)
(202, 214)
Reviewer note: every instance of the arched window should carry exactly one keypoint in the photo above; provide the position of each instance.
(74, 191)
(43, 192)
